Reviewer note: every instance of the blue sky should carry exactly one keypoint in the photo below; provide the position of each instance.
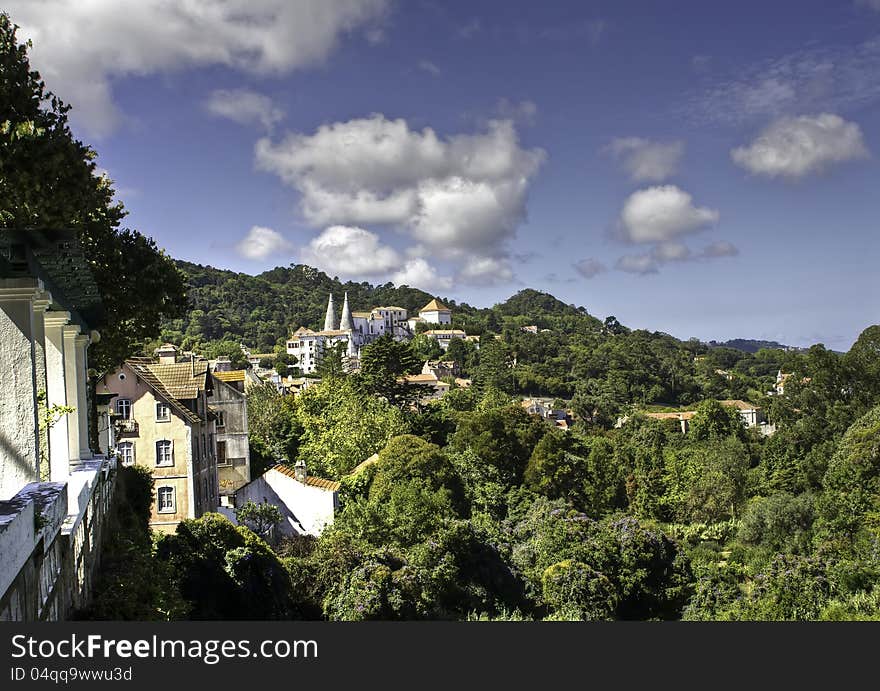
(704, 169)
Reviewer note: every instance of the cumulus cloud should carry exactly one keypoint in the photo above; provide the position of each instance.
(485, 271)
(81, 47)
(797, 146)
(417, 272)
(260, 242)
(641, 264)
(589, 268)
(646, 160)
(464, 193)
(660, 214)
(245, 107)
(350, 252)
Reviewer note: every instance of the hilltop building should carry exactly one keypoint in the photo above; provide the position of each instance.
(355, 330)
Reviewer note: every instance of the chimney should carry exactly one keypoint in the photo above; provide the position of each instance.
(299, 470)
(345, 323)
(167, 354)
(330, 317)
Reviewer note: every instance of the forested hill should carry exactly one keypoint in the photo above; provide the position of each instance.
(749, 345)
(261, 310)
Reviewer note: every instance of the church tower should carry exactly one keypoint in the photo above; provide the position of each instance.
(330, 319)
(346, 323)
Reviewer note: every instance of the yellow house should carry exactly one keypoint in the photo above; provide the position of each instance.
(161, 421)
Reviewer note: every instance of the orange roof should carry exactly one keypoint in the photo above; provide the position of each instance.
(444, 332)
(435, 306)
(684, 415)
(319, 482)
(739, 405)
(233, 375)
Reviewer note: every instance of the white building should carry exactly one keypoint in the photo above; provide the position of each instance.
(55, 492)
(307, 504)
(355, 330)
(435, 312)
(445, 336)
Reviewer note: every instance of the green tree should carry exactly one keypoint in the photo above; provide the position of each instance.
(384, 362)
(48, 180)
(332, 361)
(494, 368)
(261, 518)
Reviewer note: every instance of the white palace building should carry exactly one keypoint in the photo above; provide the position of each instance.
(357, 329)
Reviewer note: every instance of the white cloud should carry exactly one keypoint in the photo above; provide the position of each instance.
(485, 271)
(469, 29)
(245, 107)
(659, 214)
(350, 252)
(260, 242)
(646, 160)
(354, 253)
(795, 147)
(637, 264)
(589, 268)
(466, 192)
(418, 273)
(81, 47)
(820, 78)
(671, 252)
(522, 112)
(429, 67)
(720, 248)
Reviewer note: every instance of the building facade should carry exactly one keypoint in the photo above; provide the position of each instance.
(55, 493)
(161, 420)
(229, 405)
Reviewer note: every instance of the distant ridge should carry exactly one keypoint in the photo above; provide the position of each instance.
(749, 345)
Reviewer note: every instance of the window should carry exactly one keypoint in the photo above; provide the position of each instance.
(166, 500)
(123, 408)
(163, 412)
(221, 453)
(221, 419)
(204, 446)
(125, 453)
(164, 452)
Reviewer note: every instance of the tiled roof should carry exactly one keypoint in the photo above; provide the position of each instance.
(182, 379)
(421, 378)
(301, 331)
(435, 306)
(141, 367)
(739, 405)
(444, 332)
(398, 309)
(319, 482)
(684, 415)
(233, 375)
(362, 315)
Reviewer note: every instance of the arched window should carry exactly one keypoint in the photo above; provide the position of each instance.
(164, 452)
(167, 502)
(125, 453)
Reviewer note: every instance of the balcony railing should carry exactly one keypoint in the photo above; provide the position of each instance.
(129, 426)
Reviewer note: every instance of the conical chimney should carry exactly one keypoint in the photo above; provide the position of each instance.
(330, 319)
(346, 324)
